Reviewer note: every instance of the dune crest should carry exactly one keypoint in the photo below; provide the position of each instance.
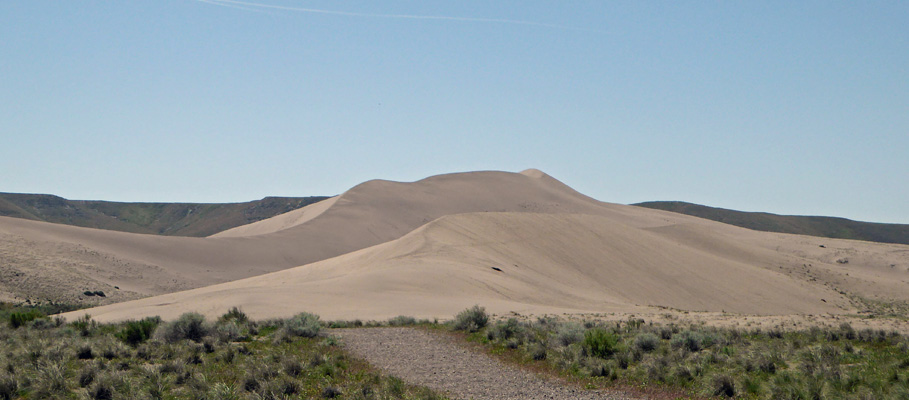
(533, 173)
(279, 222)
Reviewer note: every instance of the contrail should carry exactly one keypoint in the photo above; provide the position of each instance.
(215, 2)
(238, 4)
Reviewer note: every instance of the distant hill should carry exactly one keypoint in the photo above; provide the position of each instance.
(172, 219)
(831, 227)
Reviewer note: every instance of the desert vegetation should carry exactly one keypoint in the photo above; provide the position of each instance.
(697, 360)
(171, 219)
(188, 358)
(234, 357)
(831, 227)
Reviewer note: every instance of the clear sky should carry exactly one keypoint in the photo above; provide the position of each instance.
(788, 107)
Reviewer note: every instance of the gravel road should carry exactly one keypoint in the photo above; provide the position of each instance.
(434, 361)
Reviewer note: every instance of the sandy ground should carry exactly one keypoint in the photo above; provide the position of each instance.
(522, 243)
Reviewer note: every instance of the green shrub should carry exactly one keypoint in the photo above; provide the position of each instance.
(570, 333)
(723, 385)
(847, 331)
(223, 391)
(9, 387)
(471, 319)
(235, 314)
(402, 320)
(537, 351)
(43, 323)
(302, 324)
(646, 342)
(228, 331)
(136, 332)
(18, 319)
(293, 367)
(87, 375)
(600, 343)
(84, 324)
(692, 341)
(84, 352)
(330, 392)
(102, 390)
(189, 326)
(505, 330)
(50, 380)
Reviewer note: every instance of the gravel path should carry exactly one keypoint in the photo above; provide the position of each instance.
(425, 359)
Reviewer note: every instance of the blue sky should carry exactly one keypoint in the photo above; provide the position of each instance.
(786, 107)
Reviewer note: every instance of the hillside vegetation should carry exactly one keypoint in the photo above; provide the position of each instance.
(173, 219)
(831, 227)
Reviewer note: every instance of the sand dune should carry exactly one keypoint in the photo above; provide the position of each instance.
(59, 262)
(512, 242)
(557, 263)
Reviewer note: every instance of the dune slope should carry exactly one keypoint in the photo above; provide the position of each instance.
(58, 262)
(528, 263)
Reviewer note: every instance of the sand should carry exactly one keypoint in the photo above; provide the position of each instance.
(60, 261)
(513, 242)
(546, 264)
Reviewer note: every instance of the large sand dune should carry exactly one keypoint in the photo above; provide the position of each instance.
(564, 263)
(59, 262)
(512, 242)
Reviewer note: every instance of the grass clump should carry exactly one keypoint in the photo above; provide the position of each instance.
(471, 319)
(723, 385)
(692, 341)
(646, 342)
(600, 343)
(570, 333)
(302, 325)
(402, 320)
(189, 326)
(136, 332)
(17, 319)
(9, 387)
(234, 314)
